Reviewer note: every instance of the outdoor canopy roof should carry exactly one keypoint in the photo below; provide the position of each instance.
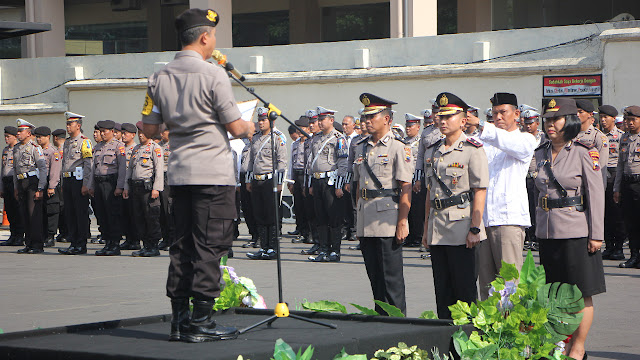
(9, 29)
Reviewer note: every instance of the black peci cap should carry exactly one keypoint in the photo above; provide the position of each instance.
(501, 98)
(560, 107)
(42, 131)
(632, 110)
(196, 17)
(608, 110)
(302, 121)
(129, 128)
(585, 105)
(59, 133)
(117, 126)
(106, 124)
(11, 130)
(450, 104)
(338, 126)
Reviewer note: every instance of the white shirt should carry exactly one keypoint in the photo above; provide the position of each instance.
(349, 138)
(509, 154)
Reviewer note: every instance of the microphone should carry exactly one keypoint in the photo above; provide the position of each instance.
(222, 60)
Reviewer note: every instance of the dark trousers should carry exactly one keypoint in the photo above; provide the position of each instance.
(454, 276)
(531, 231)
(52, 212)
(247, 207)
(614, 227)
(310, 212)
(167, 223)
(350, 213)
(76, 212)
(204, 233)
(146, 215)
(108, 207)
(302, 223)
(31, 212)
(383, 261)
(262, 197)
(416, 217)
(11, 207)
(329, 209)
(630, 195)
(129, 220)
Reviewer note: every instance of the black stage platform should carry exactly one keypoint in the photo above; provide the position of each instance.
(146, 338)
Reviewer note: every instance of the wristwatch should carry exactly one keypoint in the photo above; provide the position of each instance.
(474, 230)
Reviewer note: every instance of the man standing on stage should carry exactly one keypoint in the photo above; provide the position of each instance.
(193, 98)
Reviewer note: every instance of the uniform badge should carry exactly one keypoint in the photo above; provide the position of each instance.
(212, 16)
(605, 141)
(595, 158)
(407, 154)
(454, 180)
(144, 161)
(122, 152)
(444, 100)
(552, 103)
(158, 152)
(56, 156)
(148, 105)
(86, 149)
(456, 165)
(365, 100)
(474, 142)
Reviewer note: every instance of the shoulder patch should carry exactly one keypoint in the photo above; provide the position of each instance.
(56, 156)
(583, 143)
(158, 152)
(605, 140)
(122, 150)
(595, 159)
(407, 154)
(283, 139)
(87, 149)
(364, 139)
(474, 142)
(148, 105)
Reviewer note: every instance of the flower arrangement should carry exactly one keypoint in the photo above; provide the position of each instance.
(237, 291)
(524, 318)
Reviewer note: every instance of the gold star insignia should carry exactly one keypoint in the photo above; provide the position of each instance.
(552, 103)
(444, 100)
(365, 101)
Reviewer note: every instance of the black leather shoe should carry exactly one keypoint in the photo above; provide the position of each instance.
(333, 257)
(24, 251)
(73, 250)
(294, 233)
(9, 241)
(102, 252)
(248, 244)
(50, 242)
(35, 251)
(297, 240)
(202, 328)
(18, 240)
(606, 254)
(112, 249)
(321, 257)
(61, 238)
(256, 255)
(180, 315)
(633, 262)
(616, 255)
(130, 245)
(355, 247)
(312, 251)
(163, 245)
(150, 252)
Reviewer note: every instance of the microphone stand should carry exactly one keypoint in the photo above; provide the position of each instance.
(282, 309)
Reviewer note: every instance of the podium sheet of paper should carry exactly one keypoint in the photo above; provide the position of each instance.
(247, 108)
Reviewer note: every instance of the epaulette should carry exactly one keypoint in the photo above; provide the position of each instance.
(474, 142)
(81, 136)
(583, 143)
(435, 143)
(363, 139)
(403, 141)
(543, 144)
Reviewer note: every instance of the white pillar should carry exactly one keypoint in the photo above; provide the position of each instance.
(423, 18)
(48, 43)
(224, 8)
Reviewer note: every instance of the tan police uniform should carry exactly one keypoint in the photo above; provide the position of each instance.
(132, 242)
(309, 202)
(167, 223)
(145, 174)
(593, 137)
(614, 225)
(430, 134)
(53, 161)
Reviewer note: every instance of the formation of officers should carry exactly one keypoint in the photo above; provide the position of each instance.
(50, 186)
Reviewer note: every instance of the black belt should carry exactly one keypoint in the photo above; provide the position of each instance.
(459, 199)
(103, 178)
(7, 178)
(546, 204)
(298, 172)
(372, 194)
(631, 178)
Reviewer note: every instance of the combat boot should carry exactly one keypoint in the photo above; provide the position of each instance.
(129, 244)
(203, 328)
(335, 238)
(608, 250)
(634, 260)
(151, 249)
(180, 315)
(312, 251)
(50, 241)
(9, 241)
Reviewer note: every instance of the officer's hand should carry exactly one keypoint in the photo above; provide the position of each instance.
(347, 187)
(311, 191)
(402, 230)
(248, 187)
(155, 194)
(339, 193)
(416, 186)
(85, 191)
(594, 245)
(290, 187)
(279, 188)
(616, 197)
(38, 195)
(118, 192)
(51, 192)
(472, 240)
(125, 194)
(425, 241)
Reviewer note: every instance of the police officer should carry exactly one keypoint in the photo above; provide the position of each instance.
(51, 200)
(309, 203)
(108, 178)
(614, 233)
(193, 98)
(97, 137)
(261, 187)
(132, 240)
(298, 177)
(430, 134)
(591, 136)
(348, 124)
(144, 182)
(349, 183)
(472, 129)
(59, 136)
(77, 164)
(531, 123)
(30, 183)
(570, 212)
(167, 224)
(626, 188)
(329, 155)
(416, 214)
(382, 170)
(245, 195)
(6, 189)
(457, 176)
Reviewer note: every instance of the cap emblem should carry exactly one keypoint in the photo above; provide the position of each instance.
(444, 100)
(366, 101)
(552, 103)
(212, 16)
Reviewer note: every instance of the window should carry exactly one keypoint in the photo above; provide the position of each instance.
(116, 38)
(260, 29)
(356, 22)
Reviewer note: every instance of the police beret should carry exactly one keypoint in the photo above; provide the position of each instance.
(59, 133)
(632, 110)
(12, 130)
(140, 125)
(117, 126)
(450, 104)
(585, 105)
(501, 98)
(128, 127)
(338, 126)
(106, 124)
(302, 121)
(560, 107)
(196, 17)
(608, 110)
(42, 131)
